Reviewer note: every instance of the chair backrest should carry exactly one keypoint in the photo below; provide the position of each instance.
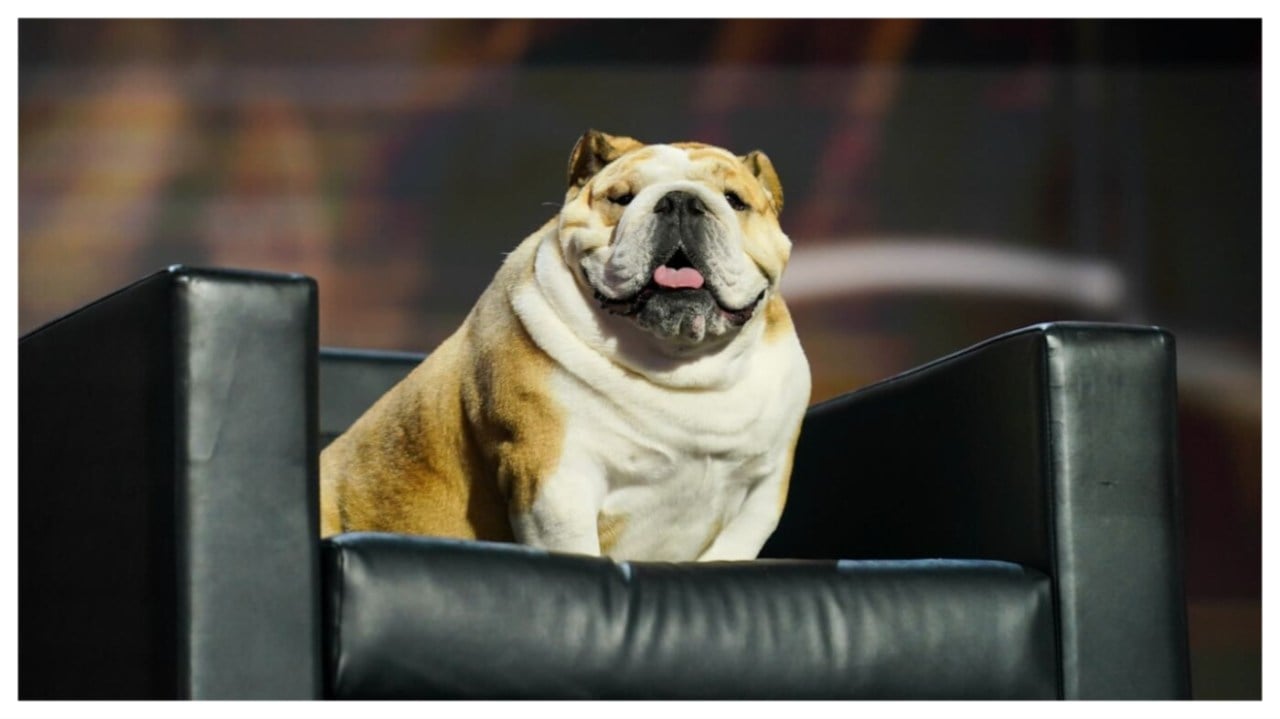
(352, 380)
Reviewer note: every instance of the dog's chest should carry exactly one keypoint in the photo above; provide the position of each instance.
(672, 509)
(669, 470)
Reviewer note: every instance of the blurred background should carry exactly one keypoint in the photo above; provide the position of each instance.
(945, 181)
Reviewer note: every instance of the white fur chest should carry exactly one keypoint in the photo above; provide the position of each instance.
(669, 470)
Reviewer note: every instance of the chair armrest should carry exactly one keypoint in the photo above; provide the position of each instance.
(1052, 447)
(168, 482)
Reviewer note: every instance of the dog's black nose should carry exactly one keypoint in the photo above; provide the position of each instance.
(679, 202)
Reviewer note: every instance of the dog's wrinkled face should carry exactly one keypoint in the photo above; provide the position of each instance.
(681, 239)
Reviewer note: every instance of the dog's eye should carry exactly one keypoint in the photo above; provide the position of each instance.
(734, 201)
(622, 199)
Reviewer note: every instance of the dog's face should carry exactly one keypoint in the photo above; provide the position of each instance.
(682, 240)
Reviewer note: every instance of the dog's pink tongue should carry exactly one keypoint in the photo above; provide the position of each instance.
(683, 278)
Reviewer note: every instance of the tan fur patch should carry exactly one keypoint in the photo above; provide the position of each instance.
(692, 145)
(409, 464)
(471, 431)
(777, 320)
(637, 154)
(761, 167)
(699, 151)
(786, 475)
(610, 528)
(517, 421)
(720, 167)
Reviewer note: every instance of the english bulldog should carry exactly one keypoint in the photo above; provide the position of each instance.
(629, 385)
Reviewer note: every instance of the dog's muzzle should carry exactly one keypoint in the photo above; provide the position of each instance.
(679, 269)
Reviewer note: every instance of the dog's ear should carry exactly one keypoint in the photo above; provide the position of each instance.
(594, 150)
(762, 168)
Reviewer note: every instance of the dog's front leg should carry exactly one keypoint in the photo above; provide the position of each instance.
(745, 534)
(562, 515)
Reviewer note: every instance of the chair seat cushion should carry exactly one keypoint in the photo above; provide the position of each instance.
(418, 618)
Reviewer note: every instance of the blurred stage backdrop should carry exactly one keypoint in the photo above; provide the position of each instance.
(946, 181)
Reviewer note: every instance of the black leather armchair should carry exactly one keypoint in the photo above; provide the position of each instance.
(1001, 523)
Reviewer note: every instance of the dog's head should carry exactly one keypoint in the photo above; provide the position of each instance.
(682, 240)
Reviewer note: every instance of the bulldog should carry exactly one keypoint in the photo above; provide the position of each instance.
(629, 385)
